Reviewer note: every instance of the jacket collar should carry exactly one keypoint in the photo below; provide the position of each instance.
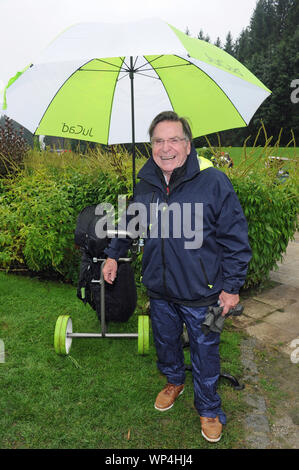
(153, 174)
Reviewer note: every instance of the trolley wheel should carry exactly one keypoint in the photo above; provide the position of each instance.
(62, 343)
(143, 334)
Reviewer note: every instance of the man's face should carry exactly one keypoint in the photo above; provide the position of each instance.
(169, 146)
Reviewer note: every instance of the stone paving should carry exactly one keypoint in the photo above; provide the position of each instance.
(272, 318)
(273, 315)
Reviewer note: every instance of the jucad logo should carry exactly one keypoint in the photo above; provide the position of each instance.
(220, 63)
(76, 129)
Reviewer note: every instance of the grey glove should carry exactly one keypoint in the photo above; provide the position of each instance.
(214, 321)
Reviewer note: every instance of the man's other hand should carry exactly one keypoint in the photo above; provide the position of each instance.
(110, 270)
(228, 301)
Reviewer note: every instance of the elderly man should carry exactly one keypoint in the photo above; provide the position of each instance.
(184, 280)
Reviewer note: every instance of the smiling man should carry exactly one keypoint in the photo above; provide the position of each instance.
(170, 145)
(183, 282)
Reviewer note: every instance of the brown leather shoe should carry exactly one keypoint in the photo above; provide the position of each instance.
(211, 428)
(167, 396)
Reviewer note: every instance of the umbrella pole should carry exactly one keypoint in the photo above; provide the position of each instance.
(133, 119)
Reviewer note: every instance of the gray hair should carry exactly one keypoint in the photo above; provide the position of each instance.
(171, 116)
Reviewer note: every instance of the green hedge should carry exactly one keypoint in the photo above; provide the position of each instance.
(271, 209)
(38, 212)
(39, 206)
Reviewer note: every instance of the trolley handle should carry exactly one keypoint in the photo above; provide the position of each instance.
(120, 234)
(96, 260)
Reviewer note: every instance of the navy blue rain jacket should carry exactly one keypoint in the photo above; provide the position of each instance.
(169, 269)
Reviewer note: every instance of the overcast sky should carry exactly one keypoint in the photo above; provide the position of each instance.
(27, 26)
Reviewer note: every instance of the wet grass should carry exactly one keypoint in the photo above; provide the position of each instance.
(101, 395)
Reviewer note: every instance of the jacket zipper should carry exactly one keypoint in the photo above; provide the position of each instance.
(163, 250)
(210, 286)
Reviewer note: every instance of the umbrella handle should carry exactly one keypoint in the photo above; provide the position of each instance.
(131, 74)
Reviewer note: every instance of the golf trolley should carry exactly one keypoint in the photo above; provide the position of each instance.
(64, 334)
(90, 245)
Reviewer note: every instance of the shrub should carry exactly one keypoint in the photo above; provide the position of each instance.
(13, 147)
(269, 195)
(271, 207)
(38, 211)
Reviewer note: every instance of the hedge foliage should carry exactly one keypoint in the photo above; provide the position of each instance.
(13, 146)
(39, 206)
(271, 207)
(40, 203)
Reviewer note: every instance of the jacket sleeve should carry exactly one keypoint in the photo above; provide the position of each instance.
(118, 248)
(232, 236)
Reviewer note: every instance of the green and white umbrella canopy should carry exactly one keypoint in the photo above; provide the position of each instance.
(84, 84)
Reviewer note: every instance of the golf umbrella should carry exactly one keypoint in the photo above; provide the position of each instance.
(106, 82)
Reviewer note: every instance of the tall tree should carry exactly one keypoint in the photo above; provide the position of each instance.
(229, 44)
(282, 8)
(242, 45)
(262, 24)
(218, 42)
(201, 35)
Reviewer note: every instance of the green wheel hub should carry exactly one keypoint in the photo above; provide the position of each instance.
(62, 343)
(143, 334)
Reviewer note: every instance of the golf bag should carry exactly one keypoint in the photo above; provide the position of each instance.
(121, 296)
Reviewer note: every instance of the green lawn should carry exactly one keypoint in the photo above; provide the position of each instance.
(258, 154)
(102, 395)
(237, 153)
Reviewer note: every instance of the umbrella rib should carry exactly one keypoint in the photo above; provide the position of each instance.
(166, 91)
(101, 70)
(128, 67)
(120, 69)
(170, 66)
(148, 62)
(109, 63)
(149, 76)
(124, 76)
(123, 59)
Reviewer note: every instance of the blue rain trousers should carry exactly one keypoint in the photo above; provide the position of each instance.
(167, 320)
